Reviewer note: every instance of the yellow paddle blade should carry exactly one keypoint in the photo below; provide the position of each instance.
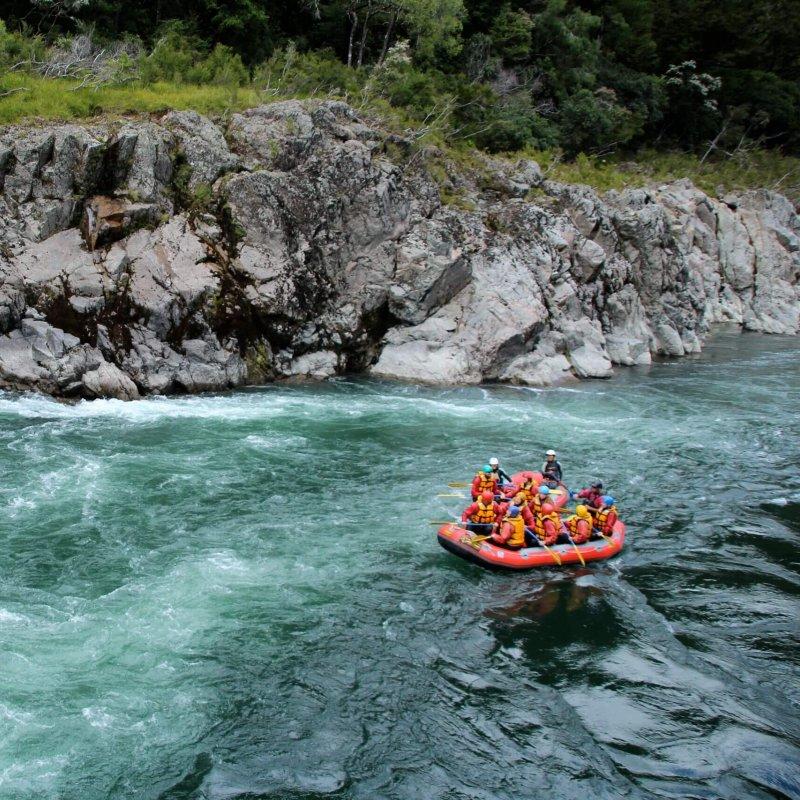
(456, 485)
(462, 496)
(442, 522)
(556, 556)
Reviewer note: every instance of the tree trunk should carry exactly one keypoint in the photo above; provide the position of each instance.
(353, 23)
(364, 35)
(387, 37)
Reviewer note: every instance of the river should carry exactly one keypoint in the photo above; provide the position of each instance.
(239, 596)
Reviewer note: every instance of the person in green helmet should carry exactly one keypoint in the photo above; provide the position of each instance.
(484, 481)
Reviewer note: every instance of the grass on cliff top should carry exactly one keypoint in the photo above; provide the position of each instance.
(29, 98)
(752, 169)
(32, 98)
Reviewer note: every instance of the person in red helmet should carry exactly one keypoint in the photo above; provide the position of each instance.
(547, 525)
(484, 481)
(481, 515)
(522, 500)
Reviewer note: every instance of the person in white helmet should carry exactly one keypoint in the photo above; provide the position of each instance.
(551, 469)
(501, 475)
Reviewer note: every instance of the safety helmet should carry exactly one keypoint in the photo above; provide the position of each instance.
(547, 508)
(597, 485)
(550, 453)
(487, 496)
(494, 462)
(608, 500)
(486, 468)
(544, 490)
(582, 512)
(513, 511)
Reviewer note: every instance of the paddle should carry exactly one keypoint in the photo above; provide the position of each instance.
(556, 556)
(569, 539)
(457, 485)
(446, 522)
(462, 496)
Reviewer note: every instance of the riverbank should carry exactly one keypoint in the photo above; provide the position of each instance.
(304, 241)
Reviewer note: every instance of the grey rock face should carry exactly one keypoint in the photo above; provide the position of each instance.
(302, 242)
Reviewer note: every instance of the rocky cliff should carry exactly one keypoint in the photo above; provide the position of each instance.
(177, 255)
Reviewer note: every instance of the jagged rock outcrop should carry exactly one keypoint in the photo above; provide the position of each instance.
(301, 241)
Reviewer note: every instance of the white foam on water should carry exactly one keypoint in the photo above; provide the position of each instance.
(97, 718)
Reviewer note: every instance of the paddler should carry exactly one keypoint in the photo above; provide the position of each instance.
(499, 473)
(551, 469)
(606, 515)
(547, 525)
(592, 496)
(579, 525)
(511, 531)
(522, 501)
(539, 499)
(484, 481)
(482, 514)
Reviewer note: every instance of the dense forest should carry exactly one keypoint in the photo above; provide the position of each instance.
(707, 76)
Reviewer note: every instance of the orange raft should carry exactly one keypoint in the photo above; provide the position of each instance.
(459, 541)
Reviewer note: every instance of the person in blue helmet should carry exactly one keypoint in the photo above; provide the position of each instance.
(541, 497)
(606, 516)
(511, 531)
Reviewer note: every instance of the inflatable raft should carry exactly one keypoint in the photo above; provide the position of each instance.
(459, 541)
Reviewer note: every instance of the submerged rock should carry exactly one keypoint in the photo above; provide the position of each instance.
(303, 242)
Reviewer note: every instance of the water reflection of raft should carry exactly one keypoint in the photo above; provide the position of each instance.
(460, 542)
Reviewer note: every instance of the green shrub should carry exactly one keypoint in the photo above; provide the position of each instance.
(223, 67)
(173, 57)
(594, 121)
(290, 73)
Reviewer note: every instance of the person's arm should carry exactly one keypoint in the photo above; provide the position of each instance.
(550, 532)
(504, 476)
(476, 482)
(471, 509)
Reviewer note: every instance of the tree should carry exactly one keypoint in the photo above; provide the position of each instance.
(511, 35)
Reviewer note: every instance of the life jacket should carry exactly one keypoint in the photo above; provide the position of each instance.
(517, 538)
(536, 504)
(484, 515)
(603, 520)
(486, 484)
(572, 524)
(538, 523)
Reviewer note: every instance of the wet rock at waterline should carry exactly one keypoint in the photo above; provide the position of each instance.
(303, 241)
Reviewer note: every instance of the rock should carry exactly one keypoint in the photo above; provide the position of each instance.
(107, 219)
(309, 252)
(320, 365)
(535, 369)
(109, 381)
(589, 361)
(202, 145)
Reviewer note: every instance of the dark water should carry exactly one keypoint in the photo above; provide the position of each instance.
(240, 596)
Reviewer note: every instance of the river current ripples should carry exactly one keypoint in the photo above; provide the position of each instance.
(240, 596)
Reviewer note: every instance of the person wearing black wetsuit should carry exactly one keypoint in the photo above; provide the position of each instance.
(501, 475)
(551, 469)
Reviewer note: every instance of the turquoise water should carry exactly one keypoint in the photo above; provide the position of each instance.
(239, 596)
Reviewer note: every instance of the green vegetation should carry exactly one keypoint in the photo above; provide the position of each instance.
(611, 93)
